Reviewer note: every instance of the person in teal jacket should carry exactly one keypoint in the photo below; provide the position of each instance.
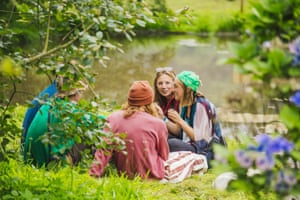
(39, 151)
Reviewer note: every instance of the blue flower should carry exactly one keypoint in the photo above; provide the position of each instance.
(263, 141)
(296, 98)
(280, 144)
(268, 146)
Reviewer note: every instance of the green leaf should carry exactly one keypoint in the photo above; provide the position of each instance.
(278, 59)
(245, 51)
(257, 67)
(141, 23)
(275, 6)
(290, 117)
(296, 154)
(294, 71)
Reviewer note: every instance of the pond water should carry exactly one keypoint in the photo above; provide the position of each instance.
(181, 52)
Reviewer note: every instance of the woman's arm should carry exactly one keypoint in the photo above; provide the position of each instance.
(173, 127)
(179, 122)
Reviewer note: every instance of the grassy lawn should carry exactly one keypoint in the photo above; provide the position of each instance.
(210, 16)
(213, 6)
(195, 187)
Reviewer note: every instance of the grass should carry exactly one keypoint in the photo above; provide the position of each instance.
(23, 181)
(195, 187)
(213, 16)
(213, 6)
(83, 186)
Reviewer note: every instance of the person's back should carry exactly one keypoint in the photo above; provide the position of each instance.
(146, 137)
(45, 140)
(146, 144)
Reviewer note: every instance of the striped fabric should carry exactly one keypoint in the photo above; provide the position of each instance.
(180, 165)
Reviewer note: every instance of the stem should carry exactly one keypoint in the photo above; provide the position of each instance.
(43, 54)
(48, 29)
(242, 6)
(10, 100)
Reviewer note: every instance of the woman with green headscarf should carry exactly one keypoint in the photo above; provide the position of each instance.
(196, 121)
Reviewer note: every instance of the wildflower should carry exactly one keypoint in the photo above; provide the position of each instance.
(281, 187)
(267, 44)
(280, 144)
(288, 177)
(264, 162)
(296, 98)
(263, 141)
(284, 181)
(295, 49)
(243, 159)
(268, 147)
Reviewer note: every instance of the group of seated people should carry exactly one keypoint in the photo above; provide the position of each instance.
(169, 130)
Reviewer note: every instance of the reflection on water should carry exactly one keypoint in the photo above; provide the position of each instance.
(140, 59)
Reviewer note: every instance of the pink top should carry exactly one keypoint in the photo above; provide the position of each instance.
(146, 146)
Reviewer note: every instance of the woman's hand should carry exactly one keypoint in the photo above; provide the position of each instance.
(174, 116)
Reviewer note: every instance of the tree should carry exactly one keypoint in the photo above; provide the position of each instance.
(55, 37)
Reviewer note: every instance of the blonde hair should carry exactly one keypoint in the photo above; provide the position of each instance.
(130, 110)
(189, 96)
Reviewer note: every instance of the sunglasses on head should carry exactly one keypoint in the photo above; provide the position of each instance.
(164, 69)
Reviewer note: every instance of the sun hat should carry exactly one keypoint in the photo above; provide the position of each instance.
(190, 80)
(140, 93)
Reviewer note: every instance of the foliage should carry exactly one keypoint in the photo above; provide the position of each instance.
(19, 181)
(58, 38)
(269, 53)
(41, 182)
(167, 20)
(233, 23)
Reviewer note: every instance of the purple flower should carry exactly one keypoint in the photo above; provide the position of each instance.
(243, 158)
(269, 145)
(284, 181)
(295, 49)
(296, 98)
(281, 187)
(264, 162)
(295, 46)
(290, 179)
(263, 139)
(267, 44)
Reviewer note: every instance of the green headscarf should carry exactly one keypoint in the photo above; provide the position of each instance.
(190, 80)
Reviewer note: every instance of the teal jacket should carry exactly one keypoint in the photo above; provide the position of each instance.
(37, 150)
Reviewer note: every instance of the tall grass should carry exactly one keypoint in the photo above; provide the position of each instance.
(205, 17)
(19, 181)
(213, 6)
